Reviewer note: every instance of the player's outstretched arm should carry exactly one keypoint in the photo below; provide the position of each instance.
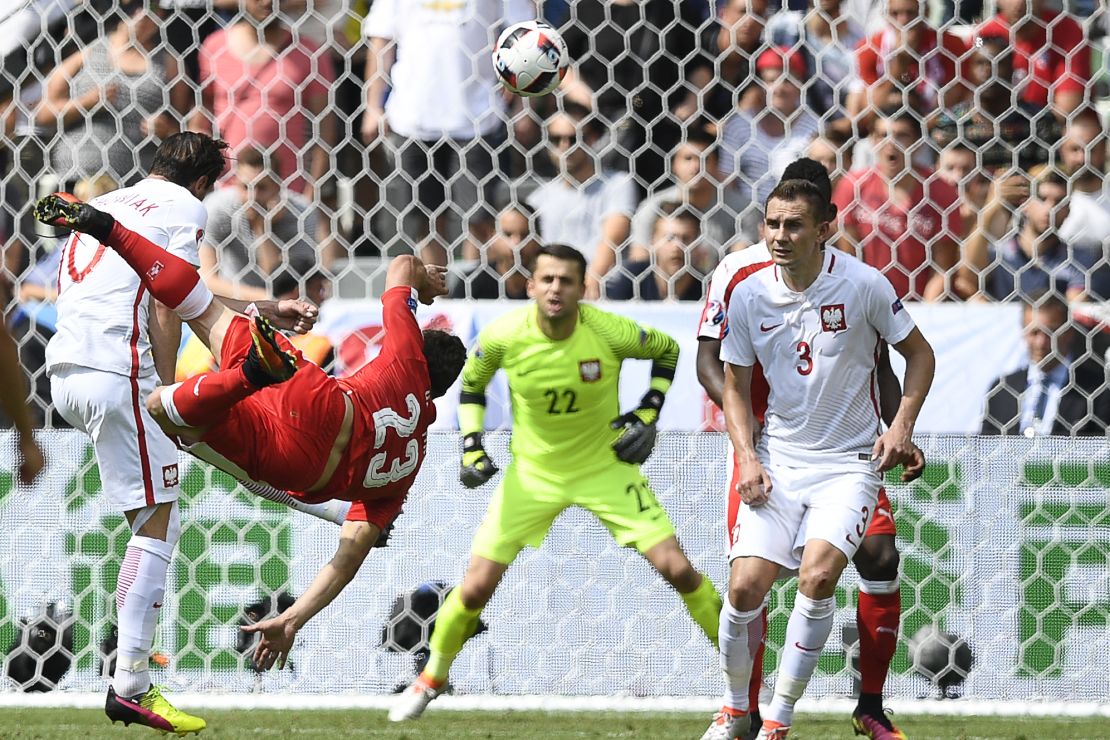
(287, 314)
(895, 446)
(13, 398)
(356, 539)
(429, 281)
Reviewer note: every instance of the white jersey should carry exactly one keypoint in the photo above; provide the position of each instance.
(819, 350)
(103, 310)
(732, 269)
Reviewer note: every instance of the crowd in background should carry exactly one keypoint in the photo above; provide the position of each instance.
(965, 140)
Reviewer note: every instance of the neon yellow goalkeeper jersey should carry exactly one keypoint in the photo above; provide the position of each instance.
(564, 393)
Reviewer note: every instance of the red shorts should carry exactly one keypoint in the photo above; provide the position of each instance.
(881, 523)
(377, 511)
(282, 434)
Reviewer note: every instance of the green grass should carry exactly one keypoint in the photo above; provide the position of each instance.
(88, 724)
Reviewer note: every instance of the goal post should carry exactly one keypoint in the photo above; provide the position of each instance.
(1005, 543)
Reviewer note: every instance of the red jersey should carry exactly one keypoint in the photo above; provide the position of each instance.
(940, 56)
(896, 238)
(284, 434)
(1055, 56)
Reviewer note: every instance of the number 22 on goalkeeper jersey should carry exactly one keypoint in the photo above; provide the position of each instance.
(564, 392)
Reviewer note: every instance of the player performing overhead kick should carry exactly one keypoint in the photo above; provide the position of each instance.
(271, 416)
(813, 319)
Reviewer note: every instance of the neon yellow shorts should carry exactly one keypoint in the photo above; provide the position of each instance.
(526, 503)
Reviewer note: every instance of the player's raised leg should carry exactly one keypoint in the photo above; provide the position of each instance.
(878, 613)
(455, 623)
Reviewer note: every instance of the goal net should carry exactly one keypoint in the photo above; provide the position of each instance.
(1005, 544)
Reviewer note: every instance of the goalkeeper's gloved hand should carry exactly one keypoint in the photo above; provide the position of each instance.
(637, 439)
(477, 467)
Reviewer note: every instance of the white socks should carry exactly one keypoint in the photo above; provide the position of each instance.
(139, 592)
(806, 635)
(740, 635)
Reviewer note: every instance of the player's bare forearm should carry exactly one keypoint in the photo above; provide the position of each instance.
(890, 388)
(13, 391)
(920, 367)
(711, 371)
(355, 542)
(288, 314)
(736, 399)
(165, 339)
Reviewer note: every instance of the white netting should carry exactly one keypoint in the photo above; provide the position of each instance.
(1005, 543)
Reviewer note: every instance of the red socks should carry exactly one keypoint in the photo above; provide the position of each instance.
(205, 399)
(169, 278)
(878, 616)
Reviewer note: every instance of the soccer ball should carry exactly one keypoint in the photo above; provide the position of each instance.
(530, 58)
(942, 657)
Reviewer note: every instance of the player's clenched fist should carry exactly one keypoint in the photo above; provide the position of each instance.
(754, 485)
(477, 467)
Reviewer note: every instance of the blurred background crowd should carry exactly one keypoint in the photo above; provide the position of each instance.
(966, 139)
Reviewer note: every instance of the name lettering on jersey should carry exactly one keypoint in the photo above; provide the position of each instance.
(169, 476)
(590, 370)
(139, 203)
(833, 317)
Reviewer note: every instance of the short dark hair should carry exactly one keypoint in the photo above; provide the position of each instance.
(524, 209)
(252, 156)
(899, 113)
(186, 157)
(582, 116)
(1044, 298)
(561, 252)
(446, 356)
(802, 190)
(699, 136)
(289, 279)
(677, 211)
(812, 171)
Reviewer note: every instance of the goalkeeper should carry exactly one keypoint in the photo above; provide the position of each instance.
(563, 362)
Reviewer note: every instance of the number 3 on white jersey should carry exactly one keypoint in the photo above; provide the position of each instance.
(385, 419)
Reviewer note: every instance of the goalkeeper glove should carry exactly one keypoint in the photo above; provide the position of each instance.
(636, 441)
(477, 468)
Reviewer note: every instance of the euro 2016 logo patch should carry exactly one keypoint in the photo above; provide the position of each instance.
(833, 317)
(590, 370)
(169, 476)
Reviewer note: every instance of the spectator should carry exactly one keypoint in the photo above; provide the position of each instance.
(732, 43)
(189, 23)
(443, 115)
(587, 208)
(504, 272)
(1052, 61)
(111, 104)
(262, 87)
(694, 167)
(677, 267)
(629, 63)
(256, 227)
(958, 166)
(1083, 157)
(826, 36)
(907, 55)
(768, 131)
(1006, 133)
(900, 218)
(833, 152)
(1033, 259)
(1062, 390)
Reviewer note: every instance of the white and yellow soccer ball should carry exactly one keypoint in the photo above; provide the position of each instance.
(531, 58)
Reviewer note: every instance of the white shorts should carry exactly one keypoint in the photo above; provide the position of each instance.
(834, 504)
(138, 462)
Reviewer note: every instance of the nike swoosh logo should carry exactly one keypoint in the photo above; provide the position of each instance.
(887, 630)
(800, 646)
(763, 327)
(157, 604)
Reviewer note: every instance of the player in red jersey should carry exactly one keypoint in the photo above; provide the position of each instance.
(269, 416)
(879, 606)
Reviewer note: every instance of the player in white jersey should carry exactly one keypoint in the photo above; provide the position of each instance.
(814, 319)
(113, 345)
